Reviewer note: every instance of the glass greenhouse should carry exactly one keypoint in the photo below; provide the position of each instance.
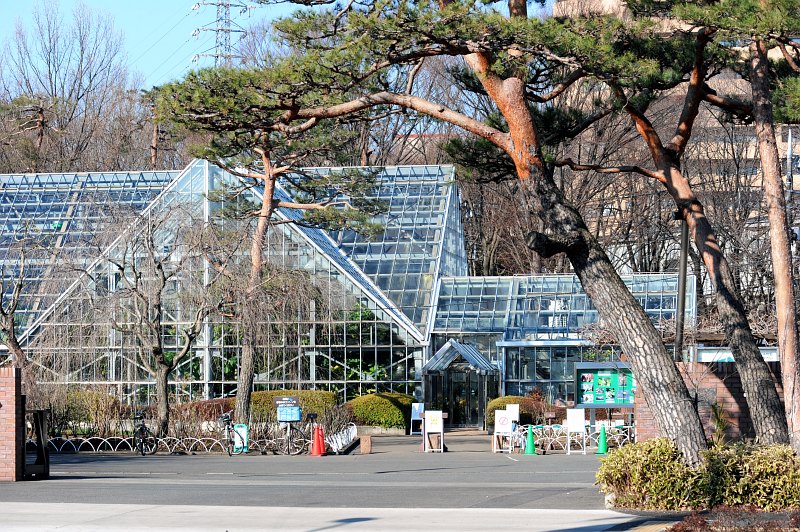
(107, 253)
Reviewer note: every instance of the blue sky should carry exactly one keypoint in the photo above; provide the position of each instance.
(158, 33)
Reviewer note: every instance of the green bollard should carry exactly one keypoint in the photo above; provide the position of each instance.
(602, 443)
(530, 445)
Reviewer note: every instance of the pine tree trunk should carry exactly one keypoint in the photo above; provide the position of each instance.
(162, 399)
(244, 387)
(772, 182)
(657, 377)
(766, 410)
(564, 230)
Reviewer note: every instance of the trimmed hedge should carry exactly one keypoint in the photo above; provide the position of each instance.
(531, 411)
(311, 401)
(388, 410)
(650, 475)
(261, 405)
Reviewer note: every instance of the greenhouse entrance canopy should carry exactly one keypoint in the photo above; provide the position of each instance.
(460, 381)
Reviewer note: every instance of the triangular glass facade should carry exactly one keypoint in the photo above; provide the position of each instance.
(423, 240)
(331, 327)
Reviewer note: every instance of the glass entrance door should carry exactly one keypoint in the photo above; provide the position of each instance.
(463, 400)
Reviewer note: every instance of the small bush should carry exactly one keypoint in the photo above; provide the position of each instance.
(208, 410)
(388, 410)
(651, 475)
(261, 406)
(91, 412)
(531, 410)
(335, 419)
(767, 477)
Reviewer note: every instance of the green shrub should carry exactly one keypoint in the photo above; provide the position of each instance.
(531, 410)
(767, 477)
(388, 410)
(650, 475)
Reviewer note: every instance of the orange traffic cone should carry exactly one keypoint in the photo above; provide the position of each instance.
(318, 443)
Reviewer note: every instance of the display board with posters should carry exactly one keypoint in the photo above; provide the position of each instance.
(604, 385)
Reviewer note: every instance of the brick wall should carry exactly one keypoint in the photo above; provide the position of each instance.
(708, 384)
(12, 421)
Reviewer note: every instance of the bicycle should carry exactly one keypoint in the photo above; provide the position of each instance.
(232, 439)
(144, 440)
(297, 440)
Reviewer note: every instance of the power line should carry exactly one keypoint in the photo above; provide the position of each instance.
(184, 60)
(160, 38)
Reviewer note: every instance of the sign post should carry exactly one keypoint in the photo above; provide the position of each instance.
(286, 400)
(503, 441)
(241, 437)
(513, 411)
(433, 424)
(576, 424)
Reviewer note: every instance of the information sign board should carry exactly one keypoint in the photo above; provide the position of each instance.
(576, 420)
(433, 425)
(434, 421)
(417, 413)
(604, 385)
(513, 411)
(576, 424)
(286, 400)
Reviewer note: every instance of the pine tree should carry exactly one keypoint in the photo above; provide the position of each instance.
(360, 61)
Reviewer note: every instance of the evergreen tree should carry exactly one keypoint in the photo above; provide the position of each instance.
(360, 60)
(751, 29)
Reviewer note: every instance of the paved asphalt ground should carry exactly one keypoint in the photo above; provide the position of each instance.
(397, 487)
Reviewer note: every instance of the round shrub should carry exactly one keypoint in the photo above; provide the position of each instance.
(388, 410)
(531, 411)
(650, 475)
